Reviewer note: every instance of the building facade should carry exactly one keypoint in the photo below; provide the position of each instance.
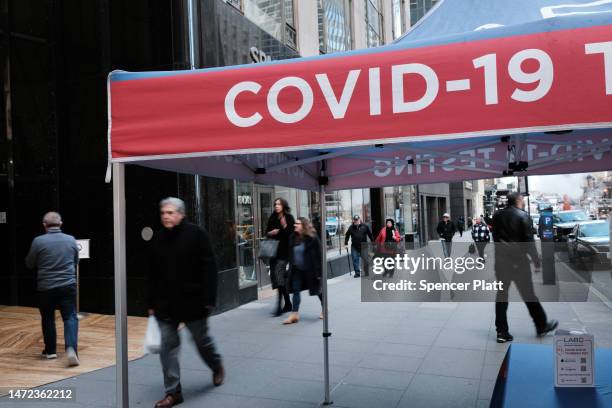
(56, 56)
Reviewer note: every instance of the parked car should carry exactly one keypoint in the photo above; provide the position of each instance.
(589, 243)
(565, 221)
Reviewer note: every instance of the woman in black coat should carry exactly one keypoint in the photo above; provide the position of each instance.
(280, 227)
(304, 265)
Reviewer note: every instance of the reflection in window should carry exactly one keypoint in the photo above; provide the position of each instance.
(245, 234)
(374, 23)
(276, 17)
(340, 207)
(334, 26)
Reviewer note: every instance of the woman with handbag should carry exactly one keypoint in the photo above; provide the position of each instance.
(304, 266)
(280, 227)
(386, 242)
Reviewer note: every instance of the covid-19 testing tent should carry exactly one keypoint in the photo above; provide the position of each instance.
(477, 89)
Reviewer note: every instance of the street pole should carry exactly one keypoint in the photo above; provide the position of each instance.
(192, 66)
(121, 356)
(326, 333)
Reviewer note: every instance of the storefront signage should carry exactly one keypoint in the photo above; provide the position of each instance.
(574, 359)
(258, 55)
(245, 200)
(83, 245)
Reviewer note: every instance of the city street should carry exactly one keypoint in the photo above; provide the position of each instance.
(382, 354)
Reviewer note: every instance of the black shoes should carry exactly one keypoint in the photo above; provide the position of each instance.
(550, 326)
(504, 337)
(357, 275)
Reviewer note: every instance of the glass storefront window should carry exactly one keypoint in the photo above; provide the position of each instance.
(304, 206)
(218, 209)
(245, 234)
(334, 26)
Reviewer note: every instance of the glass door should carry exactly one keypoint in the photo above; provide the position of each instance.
(264, 206)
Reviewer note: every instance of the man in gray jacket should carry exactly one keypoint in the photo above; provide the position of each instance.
(55, 256)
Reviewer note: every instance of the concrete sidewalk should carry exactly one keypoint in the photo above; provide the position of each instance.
(382, 355)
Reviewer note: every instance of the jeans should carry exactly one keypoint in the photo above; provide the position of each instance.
(65, 299)
(170, 343)
(296, 288)
(356, 257)
(447, 248)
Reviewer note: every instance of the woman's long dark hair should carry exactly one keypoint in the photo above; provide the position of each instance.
(284, 204)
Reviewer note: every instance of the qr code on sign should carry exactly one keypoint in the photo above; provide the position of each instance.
(582, 360)
(583, 368)
(583, 380)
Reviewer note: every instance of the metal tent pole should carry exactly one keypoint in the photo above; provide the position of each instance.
(326, 333)
(121, 357)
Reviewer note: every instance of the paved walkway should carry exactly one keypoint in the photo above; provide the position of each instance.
(382, 355)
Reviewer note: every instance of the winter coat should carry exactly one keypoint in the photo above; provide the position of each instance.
(358, 234)
(182, 280)
(311, 274)
(446, 230)
(284, 234)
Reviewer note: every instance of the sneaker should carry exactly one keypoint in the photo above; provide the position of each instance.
(504, 337)
(356, 275)
(550, 326)
(48, 356)
(73, 359)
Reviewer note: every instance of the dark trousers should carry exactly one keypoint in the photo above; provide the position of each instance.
(63, 298)
(524, 284)
(170, 343)
(480, 247)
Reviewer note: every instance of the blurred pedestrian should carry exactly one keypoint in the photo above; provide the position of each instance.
(446, 230)
(460, 225)
(480, 235)
(358, 233)
(280, 227)
(55, 257)
(304, 266)
(387, 240)
(513, 225)
(182, 288)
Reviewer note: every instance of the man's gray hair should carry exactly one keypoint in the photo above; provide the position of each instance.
(175, 202)
(52, 219)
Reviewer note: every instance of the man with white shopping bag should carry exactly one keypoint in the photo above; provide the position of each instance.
(182, 288)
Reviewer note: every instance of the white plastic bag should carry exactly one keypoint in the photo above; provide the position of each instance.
(152, 342)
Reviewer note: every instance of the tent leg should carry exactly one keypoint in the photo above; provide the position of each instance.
(121, 357)
(326, 333)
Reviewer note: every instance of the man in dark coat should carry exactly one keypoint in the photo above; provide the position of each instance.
(182, 288)
(446, 230)
(513, 225)
(358, 233)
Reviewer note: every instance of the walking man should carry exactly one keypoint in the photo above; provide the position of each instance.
(480, 235)
(358, 233)
(513, 225)
(446, 230)
(183, 288)
(55, 257)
